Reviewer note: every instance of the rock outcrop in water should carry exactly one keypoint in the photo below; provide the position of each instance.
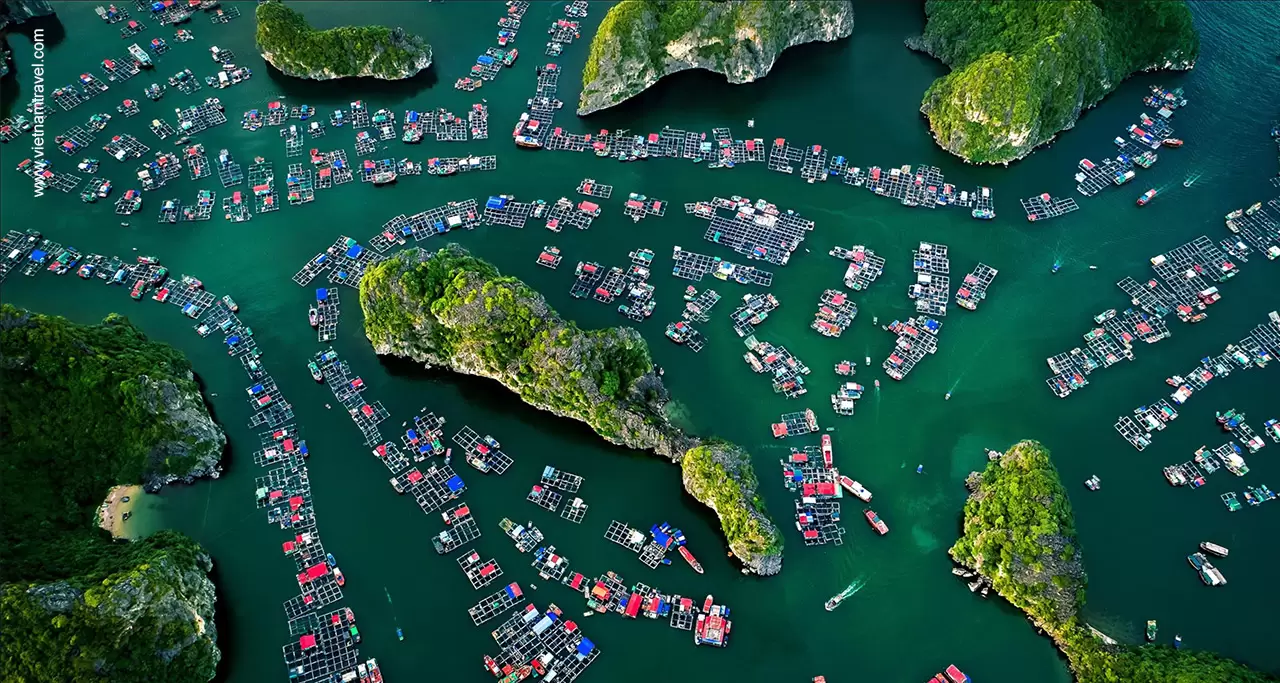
(1023, 71)
(288, 43)
(1019, 534)
(449, 309)
(13, 12)
(640, 41)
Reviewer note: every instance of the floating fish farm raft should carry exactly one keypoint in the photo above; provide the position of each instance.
(229, 172)
(525, 538)
(693, 266)
(548, 643)
(263, 184)
(544, 498)
(482, 453)
(591, 188)
(697, 307)
(683, 333)
(757, 230)
(638, 206)
(786, 370)
(796, 424)
(917, 338)
(565, 212)
(559, 479)
(345, 261)
(197, 161)
(836, 312)
(479, 573)
(973, 289)
(494, 605)
(932, 288)
(574, 511)
(1043, 207)
(347, 390)
(461, 529)
(125, 146)
(550, 566)
(419, 226)
(505, 210)
(755, 309)
(1259, 226)
(864, 266)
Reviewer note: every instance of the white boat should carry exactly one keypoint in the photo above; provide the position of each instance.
(1213, 548)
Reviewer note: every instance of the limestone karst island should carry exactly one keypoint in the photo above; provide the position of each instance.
(600, 340)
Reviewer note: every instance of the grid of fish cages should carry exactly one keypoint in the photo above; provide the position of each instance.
(462, 529)
(693, 266)
(479, 573)
(574, 511)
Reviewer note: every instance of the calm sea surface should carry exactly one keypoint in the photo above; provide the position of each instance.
(859, 98)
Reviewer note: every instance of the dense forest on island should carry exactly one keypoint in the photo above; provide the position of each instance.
(640, 41)
(291, 45)
(80, 413)
(450, 309)
(1019, 532)
(1023, 71)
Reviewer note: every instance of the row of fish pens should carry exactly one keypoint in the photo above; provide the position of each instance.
(322, 645)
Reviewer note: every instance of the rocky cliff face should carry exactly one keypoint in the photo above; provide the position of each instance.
(1022, 72)
(195, 446)
(451, 310)
(151, 619)
(14, 12)
(368, 67)
(640, 41)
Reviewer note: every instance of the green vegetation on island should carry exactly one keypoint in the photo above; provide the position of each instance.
(640, 41)
(720, 475)
(1023, 71)
(288, 43)
(84, 408)
(1019, 533)
(452, 310)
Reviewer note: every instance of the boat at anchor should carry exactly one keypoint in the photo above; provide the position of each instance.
(688, 557)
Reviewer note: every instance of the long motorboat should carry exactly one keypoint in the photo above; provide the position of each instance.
(855, 488)
(826, 450)
(688, 557)
(1213, 549)
(853, 587)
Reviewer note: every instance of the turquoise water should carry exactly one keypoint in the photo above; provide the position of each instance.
(858, 98)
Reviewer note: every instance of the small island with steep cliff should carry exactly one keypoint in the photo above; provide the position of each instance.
(291, 45)
(640, 41)
(1019, 534)
(84, 408)
(1021, 72)
(451, 310)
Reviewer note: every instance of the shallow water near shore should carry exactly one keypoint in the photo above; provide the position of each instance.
(859, 98)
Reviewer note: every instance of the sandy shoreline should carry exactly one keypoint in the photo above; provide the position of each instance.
(111, 513)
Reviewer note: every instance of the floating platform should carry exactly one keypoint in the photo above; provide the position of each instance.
(544, 498)
(550, 565)
(932, 288)
(435, 221)
(462, 529)
(559, 479)
(757, 230)
(574, 511)
(973, 289)
(1043, 207)
(262, 184)
(693, 266)
(493, 605)
(698, 305)
(389, 454)
(299, 185)
(755, 309)
(864, 266)
(786, 371)
(366, 144)
(125, 146)
(505, 210)
(796, 424)
(201, 117)
(554, 644)
(591, 188)
(917, 338)
(197, 161)
(526, 537)
(479, 573)
(625, 536)
(328, 312)
(638, 206)
(321, 647)
(836, 312)
(482, 453)
(229, 172)
(1132, 433)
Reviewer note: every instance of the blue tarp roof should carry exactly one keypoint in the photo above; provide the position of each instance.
(455, 483)
(355, 251)
(440, 227)
(510, 592)
(322, 258)
(413, 436)
(413, 117)
(322, 294)
(484, 59)
(38, 255)
(303, 447)
(255, 388)
(585, 647)
(233, 340)
(496, 203)
(337, 163)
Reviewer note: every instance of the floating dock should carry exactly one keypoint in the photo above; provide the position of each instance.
(479, 573)
(836, 312)
(917, 338)
(786, 371)
(574, 511)
(755, 309)
(327, 314)
(864, 266)
(505, 210)
(693, 266)
(698, 305)
(638, 206)
(559, 479)
(544, 498)
(526, 538)
(482, 453)
(591, 188)
(973, 289)
(758, 230)
(462, 529)
(554, 645)
(932, 288)
(494, 605)
(550, 565)
(796, 424)
(1043, 207)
